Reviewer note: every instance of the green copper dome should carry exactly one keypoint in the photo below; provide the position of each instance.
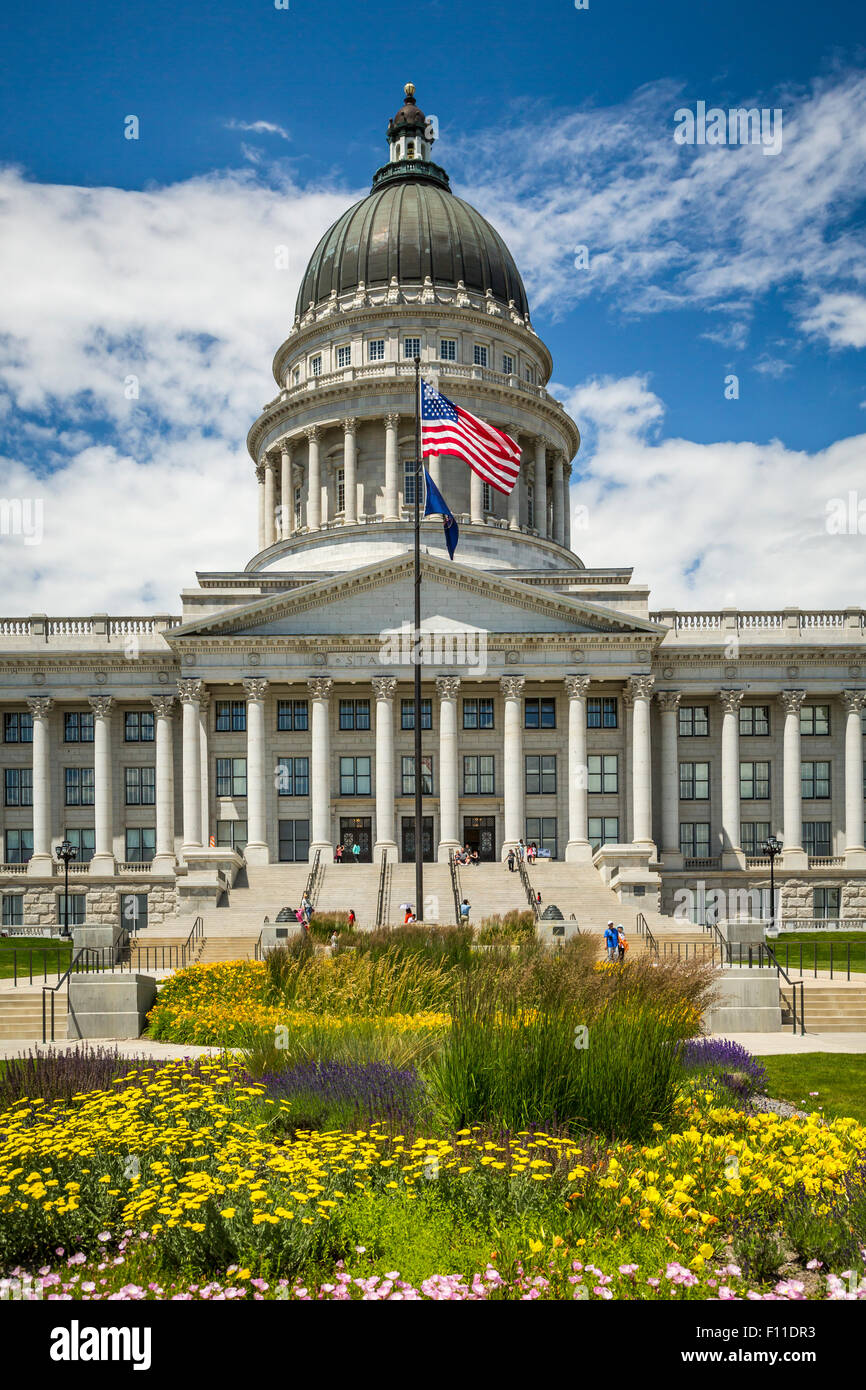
(411, 226)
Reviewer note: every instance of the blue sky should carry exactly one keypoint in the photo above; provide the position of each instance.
(154, 257)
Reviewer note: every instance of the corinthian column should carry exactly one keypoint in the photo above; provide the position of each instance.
(513, 770)
(385, 846)
(641, 764)
(41, 861)
(392, 424)
(287, 498)
(541, 486)
(320, 765)
(164, 859)
(447, 688)
(256, 851)
(578, 850)
(855, 852)
(260, 479)
(350, 473)
(558, 499)
(732, 854)
(514, 497)
(793, 855)
(204, 762)
(476, 498)
(314, 480)
(270, 499)
(189, 691)
(103, 855)
(669, 703)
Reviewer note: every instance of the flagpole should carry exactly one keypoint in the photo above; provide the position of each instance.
(419, 831)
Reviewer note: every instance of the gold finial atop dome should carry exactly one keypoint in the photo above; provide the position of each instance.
(409, 89)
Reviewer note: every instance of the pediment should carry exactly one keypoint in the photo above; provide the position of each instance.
(379, 599)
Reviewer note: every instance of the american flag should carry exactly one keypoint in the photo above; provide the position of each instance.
(448, 429)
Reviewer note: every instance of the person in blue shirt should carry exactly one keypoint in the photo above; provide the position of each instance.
(611, 941)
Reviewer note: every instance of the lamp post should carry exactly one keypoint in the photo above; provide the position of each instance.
(772, 847)
(66, 852)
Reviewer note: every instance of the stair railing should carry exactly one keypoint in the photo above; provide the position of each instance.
(85, 961)
(455, 885)
(380, 896)
(527, 887)
(313, 883)
(642, 928)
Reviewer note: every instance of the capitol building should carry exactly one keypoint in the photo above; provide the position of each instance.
(271, 718)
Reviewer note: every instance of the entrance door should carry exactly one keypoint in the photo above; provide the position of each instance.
(357, 830)
(294, 841)
(479, 832)
(407, 839)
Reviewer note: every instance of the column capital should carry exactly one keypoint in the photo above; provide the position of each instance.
(313, 433)
(641, 687)
(204, 698)
(286, 449)
(576, 686)
(392, 422)
(101, 705)
(320, 687)
(731, 700)
(40, 706)
(512, 686)
(256, 688)
(792, 700)
(269, 460)
(854, 700)
(669, 700)
(384, 686)
(164, 705)
(189, 689)
(260, 474)
(447, 687)
(350, 426)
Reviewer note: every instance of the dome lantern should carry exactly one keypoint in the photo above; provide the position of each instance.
(409, 136)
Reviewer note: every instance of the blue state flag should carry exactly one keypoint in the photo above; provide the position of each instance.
(435, 504)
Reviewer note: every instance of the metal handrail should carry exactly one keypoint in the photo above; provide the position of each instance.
(29, 970)
(87, 953)
(312, 877)
(455, 886)
(527, 887)
(643, 929)
(196, 933)
(764, 948)
(793, 984)
(380, 897)
(258, 953)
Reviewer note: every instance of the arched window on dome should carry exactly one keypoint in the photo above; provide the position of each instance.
(298, 506)
(410, 149)
(530, 505)
(341, 489)
(486, 497)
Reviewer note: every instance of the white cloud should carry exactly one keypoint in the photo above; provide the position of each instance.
(259, 128)
(707, 525)
(840, 318)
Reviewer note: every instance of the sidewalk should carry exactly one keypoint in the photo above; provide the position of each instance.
(779, 1044)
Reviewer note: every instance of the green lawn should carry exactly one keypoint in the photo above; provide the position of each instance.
(789, 943)
(838, 1077)
(45, 955)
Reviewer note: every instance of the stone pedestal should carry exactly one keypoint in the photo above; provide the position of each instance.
(109, 1006)
(746, 1001)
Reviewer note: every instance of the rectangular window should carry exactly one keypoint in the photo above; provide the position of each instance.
(540, 773)
(408, 775)
(296, 376)
(232, 834)
(508, 364)
(815, 720)
(78, 726)
(79, 786)
(602, 773)
(76, 907)
(138, 726)
(694, 721)
(292, 716)
(355, 779)
(479, 355)
(409, 476)
(340, 480)
(407, 714)
(293, 776)
(230, 716)
(231, 776)
(695, 839)
(486, 497)
(140, 786)
(354, 714)
(530, 505)
(541, 832)
(19, 846)
(753, 835)
(13, 910)
(376, 350)
(478, 713)
(19, 786)
(539, 714)
(826, 902)
(298, 506)
(816, 838)
(694, 781)
(411, 348)
(754, 720)
(448, 349)
(140, 844)
(603, 830)
(18, 726)
(755, 781)
(83, 839)
(133, 911)
(316, 365)
(601, 712)
(478, 775)
(530, 374)
(294, 841)
(344, 356)
(815, 781)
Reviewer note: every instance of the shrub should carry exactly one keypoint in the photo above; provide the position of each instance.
(332, 1095)
(728, 1063)
(515, 928)
(450, 947)
(54, 1076)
